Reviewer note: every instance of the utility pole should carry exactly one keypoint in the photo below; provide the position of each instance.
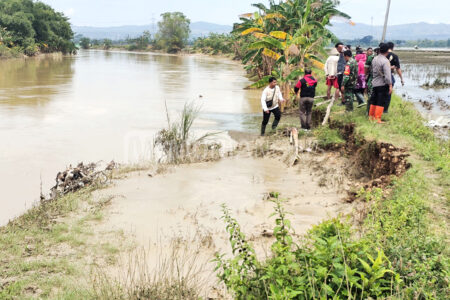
(386, 21)
(153, 23)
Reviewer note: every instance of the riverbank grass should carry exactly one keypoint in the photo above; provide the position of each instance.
(48, 251)
(408, 220)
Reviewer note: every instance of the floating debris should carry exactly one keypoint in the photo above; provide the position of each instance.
(426, 104)
(75, 178)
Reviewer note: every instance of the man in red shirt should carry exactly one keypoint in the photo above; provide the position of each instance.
(306, 87)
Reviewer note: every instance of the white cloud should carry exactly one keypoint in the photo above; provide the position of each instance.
(69, 12)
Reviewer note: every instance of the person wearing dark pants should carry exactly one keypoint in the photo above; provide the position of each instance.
(350, 80)
(270, 99)
(395, 67)
(266, 116)
(380, 96)
(340, 67)
(369, 75)
(307, 88)
(382, 84)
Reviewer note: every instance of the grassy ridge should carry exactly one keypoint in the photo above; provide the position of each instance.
(410, 224)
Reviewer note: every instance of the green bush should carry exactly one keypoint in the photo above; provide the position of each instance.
(329, 264)
(6, 52)
(31, 50)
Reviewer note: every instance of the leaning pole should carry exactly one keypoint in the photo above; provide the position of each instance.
(386, 21)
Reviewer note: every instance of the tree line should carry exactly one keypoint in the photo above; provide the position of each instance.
(369, 41)
(30, 27)
(172, 36)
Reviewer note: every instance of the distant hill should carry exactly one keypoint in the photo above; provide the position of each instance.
(413, 31)
(198, 29)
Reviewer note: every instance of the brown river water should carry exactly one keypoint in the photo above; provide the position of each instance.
(102, 106)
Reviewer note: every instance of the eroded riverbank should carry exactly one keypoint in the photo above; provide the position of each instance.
(135, 226)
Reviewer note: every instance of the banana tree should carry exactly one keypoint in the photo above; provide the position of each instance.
(285, 37)
(284, 49)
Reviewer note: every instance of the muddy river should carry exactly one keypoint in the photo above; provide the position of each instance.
(109, 105)
(102, 106)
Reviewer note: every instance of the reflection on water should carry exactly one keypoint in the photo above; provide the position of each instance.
(33, 82)
(58, 111)
(419, 68)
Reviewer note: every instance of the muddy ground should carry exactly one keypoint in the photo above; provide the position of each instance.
(181, 207)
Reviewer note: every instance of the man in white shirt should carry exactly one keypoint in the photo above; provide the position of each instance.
(331, 73)
(271, 97)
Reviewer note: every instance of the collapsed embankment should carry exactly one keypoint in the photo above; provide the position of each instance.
(179, 206)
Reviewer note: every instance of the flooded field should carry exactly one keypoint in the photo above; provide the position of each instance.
(422, 68)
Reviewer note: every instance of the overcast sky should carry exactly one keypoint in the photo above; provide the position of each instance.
(140, 12)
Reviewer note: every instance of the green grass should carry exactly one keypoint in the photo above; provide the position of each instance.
(45, 252)
(409, 220)
(328, 137)
(409, 223)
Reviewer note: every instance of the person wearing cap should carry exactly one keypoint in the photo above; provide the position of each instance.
(331, 73)
(270, 99)
(307, 88)
(381, 82)
(349, 81)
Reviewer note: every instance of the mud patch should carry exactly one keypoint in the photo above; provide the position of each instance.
(184, 204)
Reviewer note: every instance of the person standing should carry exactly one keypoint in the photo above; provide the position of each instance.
(340, 67)
(361, 83)
(395, 67)
(382, 83)
(271, 97)
(307, 88)
(349, 81)
(368, 73)
(331, 73)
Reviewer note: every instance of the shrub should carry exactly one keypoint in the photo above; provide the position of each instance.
(31, 50)
(177, 141)
(329, 264)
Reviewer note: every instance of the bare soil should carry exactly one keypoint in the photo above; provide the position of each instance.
(183, 205)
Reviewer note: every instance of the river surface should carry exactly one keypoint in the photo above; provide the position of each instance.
(102, 106)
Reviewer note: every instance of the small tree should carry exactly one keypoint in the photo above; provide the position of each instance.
(143, 41)
(107, 44)
(85, 43)
(173, 32)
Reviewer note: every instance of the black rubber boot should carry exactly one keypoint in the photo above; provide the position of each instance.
(275, 124)
(263, 130)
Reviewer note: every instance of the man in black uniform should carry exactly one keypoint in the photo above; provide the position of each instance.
(395, 66)
(340, 67)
